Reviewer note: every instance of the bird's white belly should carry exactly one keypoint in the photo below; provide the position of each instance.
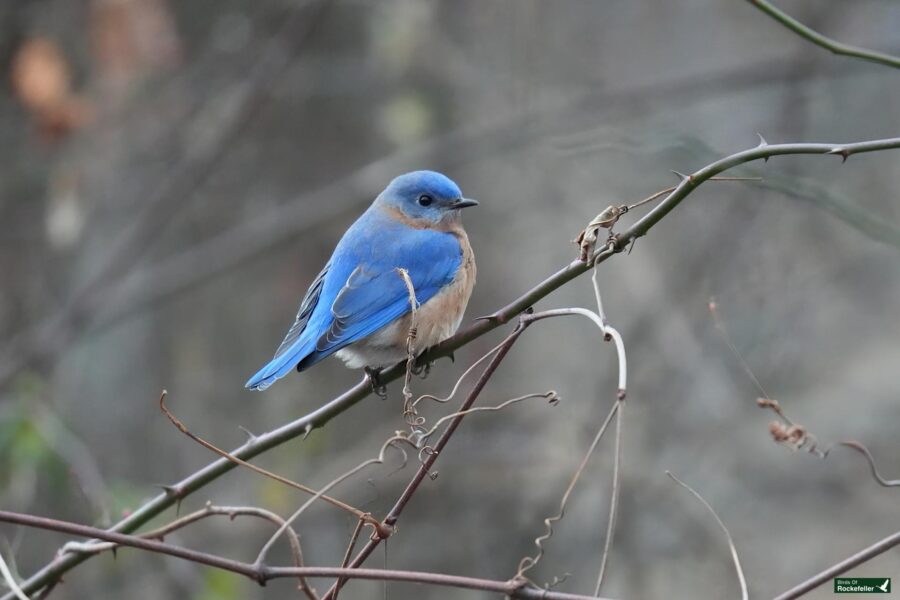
(436, 320)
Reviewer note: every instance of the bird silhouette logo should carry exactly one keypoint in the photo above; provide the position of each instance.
(886, 586)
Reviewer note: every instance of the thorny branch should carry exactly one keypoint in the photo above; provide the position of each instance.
(820, 40)
(281, 479)
(262, 573)
(209, 510)
(857, 559)
(430, 457)
(303, 425)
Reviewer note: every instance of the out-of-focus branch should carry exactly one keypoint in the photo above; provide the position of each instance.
(11, 580)
(731, 546)
(872, 466)
(502, 316)
(196, 265)
(841, 567)
(262, 573)
(825, 42)
(158, 207)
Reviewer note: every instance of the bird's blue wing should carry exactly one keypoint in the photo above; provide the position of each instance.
(375, 294)
(291, 349)
(360, 291)
(309, 303)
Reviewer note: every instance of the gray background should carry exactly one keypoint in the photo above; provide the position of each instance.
(228, 149)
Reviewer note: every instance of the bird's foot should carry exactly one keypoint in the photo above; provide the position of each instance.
(423, 370)
(379, 388)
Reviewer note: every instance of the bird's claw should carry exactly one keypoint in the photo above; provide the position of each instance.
(423, 370)
(379, 388)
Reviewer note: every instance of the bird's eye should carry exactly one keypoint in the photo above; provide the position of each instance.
(425, 200)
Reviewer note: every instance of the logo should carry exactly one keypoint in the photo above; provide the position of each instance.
(862, 585)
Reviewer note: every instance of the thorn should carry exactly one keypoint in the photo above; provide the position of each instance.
(631, 245)
(307, 430)
(492, 317)
(452, 358)
(250, 435)
(842, 152)
(170, 490)
(762, 144)
(684, 177)
(177, 506)
(115, 553)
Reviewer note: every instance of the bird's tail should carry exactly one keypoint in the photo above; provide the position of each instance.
(278, 367)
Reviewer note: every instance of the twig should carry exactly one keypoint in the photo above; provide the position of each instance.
(734, 554)
(550, 396)
(347, 554)
(52, 571)
(382, 531)
(825, 42)
(613, 499)
(10, 580)
(262, 573)
(871, 460)
(841, 567)
(587, 239)
(607, 331)
(461, 378)
(425, 468)
(530, 562)
(611, 333)
(713, 307)
(208, 511)
(409, 409)
(281, 479)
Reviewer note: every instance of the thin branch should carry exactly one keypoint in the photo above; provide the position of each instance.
(613, 499)
(382, 531)
(409, 408)
(209, 510)
(550, 396)
(305, 424)
(734, 554)
(825, 42)
(833, 571)
(262, 573)
(871, 460)
(425, 468)
(281, 479)
(530, 562)
(607, 331)
(348, 553)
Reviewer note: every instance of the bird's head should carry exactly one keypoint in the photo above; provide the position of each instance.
(424, 195)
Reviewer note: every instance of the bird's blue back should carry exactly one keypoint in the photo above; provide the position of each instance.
(360, 290)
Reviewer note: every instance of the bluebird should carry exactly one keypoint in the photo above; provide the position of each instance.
(358, 307)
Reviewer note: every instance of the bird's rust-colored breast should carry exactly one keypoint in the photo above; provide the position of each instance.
(440, 317)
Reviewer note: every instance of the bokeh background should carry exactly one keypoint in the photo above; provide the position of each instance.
(174, 174)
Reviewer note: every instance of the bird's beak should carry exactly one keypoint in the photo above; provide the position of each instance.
(463, 203)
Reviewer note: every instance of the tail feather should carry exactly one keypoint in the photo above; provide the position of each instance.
(278, 367)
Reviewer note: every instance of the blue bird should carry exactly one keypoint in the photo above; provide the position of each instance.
(358, 306)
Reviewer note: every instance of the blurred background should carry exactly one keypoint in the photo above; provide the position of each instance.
(173, 176)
